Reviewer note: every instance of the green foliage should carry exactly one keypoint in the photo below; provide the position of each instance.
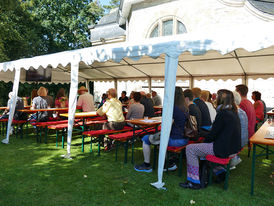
(35, 27)
(20, 35)
(25, 89)
(113, 4)
(65, 22)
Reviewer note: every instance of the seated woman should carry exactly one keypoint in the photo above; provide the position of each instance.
(136, 110)
(40, 103)
(176, 138)
(258, 106)
(224, 138)
(61, 100)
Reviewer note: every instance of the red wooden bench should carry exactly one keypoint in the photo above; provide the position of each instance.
(220, 161)
(77, 123)
(101, 134)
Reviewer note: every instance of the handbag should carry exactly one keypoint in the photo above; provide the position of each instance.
(155, 138)
(191, 127)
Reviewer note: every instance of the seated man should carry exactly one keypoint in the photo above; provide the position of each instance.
(176, 138)
(157, 101)
(124, 99)
(148, 104)
(112, 108)
(85, 100)
(206, 121)
(193, 109)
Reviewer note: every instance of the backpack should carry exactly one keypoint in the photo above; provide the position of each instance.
(204, 173)
(191, 128)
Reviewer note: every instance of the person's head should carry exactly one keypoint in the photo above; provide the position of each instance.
(104, 96)
(137, 96)
(214, 96)
(188, 94)
(33, 93)
(179, 99)
(256, 95)
(82, 90)
(237, 97)
(112, 93)
(143, 94)
(131, 94)
(123, 94)
(225, 100)
(42, 92)
(205, 95)
(242, 89)
(153, 93)
(61, 93)
(196, 92)
(10, 95)
(148, 95)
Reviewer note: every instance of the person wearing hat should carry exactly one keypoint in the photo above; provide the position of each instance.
(85, 100)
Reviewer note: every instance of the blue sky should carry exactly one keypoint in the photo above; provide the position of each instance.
(104, 2)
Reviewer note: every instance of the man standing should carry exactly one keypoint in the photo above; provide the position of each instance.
(156, 99)
(85, 100)
(247, 106)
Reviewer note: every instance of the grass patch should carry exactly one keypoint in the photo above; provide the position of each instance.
(34, 174)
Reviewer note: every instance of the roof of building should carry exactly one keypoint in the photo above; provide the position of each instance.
(107, 27)
(266, 6)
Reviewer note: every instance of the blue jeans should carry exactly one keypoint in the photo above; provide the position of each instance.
(171, 142)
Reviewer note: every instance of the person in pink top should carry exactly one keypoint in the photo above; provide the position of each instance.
(248, 107)
(85, 100)
(258, 106)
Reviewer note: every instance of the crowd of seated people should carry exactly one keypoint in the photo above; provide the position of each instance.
(225, 119)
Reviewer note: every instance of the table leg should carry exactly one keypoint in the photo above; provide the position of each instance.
(267, 151)
(253, 169)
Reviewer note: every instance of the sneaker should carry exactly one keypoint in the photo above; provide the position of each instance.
(172, 167)
(235, 161)
(143, 168)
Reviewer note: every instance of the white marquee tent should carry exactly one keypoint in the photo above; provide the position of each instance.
(246, 50)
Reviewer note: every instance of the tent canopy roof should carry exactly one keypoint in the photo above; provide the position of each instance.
(224, 54)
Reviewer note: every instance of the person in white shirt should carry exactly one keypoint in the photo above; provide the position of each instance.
(211, 109)
(85, 100)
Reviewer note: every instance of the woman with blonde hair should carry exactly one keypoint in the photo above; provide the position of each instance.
(40, 103)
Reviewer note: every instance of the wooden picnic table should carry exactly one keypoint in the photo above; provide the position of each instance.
(3, 108)
(158, 107)
(151, 122)
(43, 110)
(259, 140)
(270, 113)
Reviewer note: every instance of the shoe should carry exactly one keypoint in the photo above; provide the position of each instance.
(190, 185)
(172, 167)
(143, 168)
(235, 161)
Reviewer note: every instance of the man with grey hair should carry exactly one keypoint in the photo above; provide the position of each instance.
(244, 128)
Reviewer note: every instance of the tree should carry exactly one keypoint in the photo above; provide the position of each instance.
(20, 35)
(112, 4)
(65, 22)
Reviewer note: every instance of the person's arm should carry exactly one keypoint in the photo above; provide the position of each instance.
(103, 109)
(217, 127)
(129, 112)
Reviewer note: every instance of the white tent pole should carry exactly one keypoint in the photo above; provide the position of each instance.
(149, 84)
(87, 85)
(171, 65)
(72, 102)
(191, 82)
(116, 84)
(13, 102)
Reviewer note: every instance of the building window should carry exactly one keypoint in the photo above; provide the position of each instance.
(167, 26)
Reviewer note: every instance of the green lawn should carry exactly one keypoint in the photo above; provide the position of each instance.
(35, 174)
